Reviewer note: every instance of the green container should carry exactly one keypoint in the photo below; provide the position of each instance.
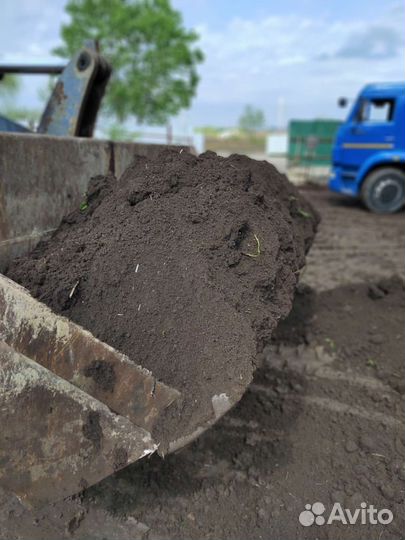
(310, 142)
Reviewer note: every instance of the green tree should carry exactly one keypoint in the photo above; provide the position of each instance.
(118, 132)
(252, 119)
(154, 57)
(9, 86)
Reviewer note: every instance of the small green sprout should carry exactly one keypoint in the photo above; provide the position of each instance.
(330, 342)
(371, 362)
(84, 204)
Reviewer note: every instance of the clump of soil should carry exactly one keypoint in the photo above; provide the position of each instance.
(186, 264)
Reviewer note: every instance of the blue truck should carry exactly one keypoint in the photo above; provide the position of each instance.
(369, 149)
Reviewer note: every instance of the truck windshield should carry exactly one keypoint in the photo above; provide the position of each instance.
(376, 110)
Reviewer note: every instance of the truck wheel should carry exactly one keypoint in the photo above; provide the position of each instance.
(383, 191)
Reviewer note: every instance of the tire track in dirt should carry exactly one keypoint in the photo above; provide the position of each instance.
(352, 244)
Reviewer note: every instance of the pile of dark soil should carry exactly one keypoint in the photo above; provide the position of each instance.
(186, 264)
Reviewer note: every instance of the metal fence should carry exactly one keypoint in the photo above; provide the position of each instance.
(311, 142)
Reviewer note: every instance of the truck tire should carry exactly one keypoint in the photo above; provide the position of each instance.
(383, 190)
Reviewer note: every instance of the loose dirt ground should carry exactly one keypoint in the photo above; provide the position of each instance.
(322, 422)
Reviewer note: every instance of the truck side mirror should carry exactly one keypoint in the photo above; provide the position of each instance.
(342, 102)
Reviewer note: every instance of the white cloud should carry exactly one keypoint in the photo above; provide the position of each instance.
(308, 62)
(30, 29)
(29, 32)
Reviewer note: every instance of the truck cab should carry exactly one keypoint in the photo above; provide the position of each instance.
(369, 149)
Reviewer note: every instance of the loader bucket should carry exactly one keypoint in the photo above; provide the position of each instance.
(55, 440)
(72, 409)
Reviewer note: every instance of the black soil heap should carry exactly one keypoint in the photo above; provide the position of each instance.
(186, 264)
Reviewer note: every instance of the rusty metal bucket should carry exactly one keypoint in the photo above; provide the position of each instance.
(73, 410)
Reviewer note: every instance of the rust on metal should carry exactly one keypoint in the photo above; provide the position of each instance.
(55, 440)
(74, 354)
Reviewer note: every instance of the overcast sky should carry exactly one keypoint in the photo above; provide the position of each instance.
(292, 58)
